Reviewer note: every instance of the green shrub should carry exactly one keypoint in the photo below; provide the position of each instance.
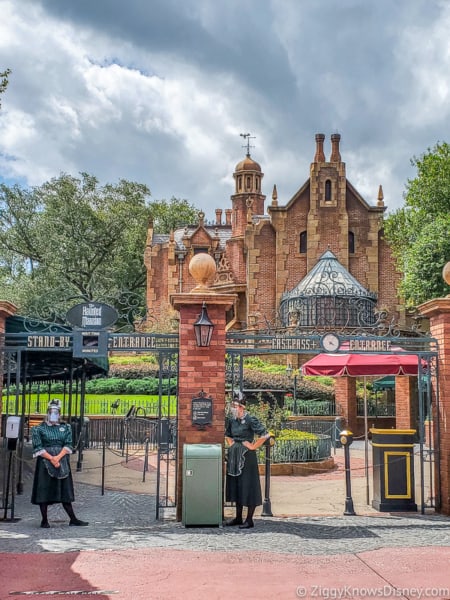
(297, 446)
(294, 434)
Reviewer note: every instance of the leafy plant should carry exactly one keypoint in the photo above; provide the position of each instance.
(272, 416)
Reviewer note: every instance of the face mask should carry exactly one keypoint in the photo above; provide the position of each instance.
(53, 416)
(234, 412)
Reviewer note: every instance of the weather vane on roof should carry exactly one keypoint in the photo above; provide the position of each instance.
(247, 137)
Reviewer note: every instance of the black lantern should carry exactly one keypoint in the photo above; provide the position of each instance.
(203, 328)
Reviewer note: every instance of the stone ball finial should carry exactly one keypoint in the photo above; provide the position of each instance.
(203, 268)
(446, 273)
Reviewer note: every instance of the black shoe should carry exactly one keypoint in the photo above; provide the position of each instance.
(78, 523)
(45, 524)
(232, 522)
(246, 525)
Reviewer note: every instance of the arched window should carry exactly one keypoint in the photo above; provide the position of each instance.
(328, 190)
(303, 242)
(351, 242)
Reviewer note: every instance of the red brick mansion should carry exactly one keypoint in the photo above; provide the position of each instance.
(270, 255)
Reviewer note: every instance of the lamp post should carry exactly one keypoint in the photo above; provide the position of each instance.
(203, 328)
(290, 371)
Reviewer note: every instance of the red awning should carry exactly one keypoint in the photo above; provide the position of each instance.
(356, 365)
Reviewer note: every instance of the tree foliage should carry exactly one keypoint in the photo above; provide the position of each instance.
(170, 215)
(4, 82)
(419, 231)
(73, 240)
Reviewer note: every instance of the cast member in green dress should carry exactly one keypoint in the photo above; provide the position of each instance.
(52, 484)
(242, 484)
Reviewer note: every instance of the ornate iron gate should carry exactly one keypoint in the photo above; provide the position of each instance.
(240, 346)
(46, 356)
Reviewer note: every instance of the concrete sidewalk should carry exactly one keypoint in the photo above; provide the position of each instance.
(318, 494)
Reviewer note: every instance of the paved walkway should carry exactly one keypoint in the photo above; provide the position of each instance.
(307, 549)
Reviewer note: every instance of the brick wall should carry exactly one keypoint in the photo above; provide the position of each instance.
(261, 269)
(406, 402)
(438, 311)
(345, 395)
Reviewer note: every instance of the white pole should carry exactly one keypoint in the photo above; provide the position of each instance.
(366, 443)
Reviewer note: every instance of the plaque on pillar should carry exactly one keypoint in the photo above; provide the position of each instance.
(202, 410)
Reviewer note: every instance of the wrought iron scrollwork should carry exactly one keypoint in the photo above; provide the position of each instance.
(49, 316)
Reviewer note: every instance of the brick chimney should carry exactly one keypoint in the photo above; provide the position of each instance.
(218, 216)
(228, 212)
(335, 154)
(319, 156)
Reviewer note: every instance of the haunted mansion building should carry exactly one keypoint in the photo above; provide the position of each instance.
(317, 261)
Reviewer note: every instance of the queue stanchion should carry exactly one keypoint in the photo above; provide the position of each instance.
(267, 505)
(346, 439)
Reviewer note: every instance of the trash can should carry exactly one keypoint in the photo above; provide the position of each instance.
(202, 485)
(393, 470)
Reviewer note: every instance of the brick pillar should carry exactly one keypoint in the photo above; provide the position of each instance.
(200, 369)
(405, 403)
(438, 311)
(345, 394)
(7, 309)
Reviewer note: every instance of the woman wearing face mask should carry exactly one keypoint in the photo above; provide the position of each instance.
(243, 485)
(52, 484)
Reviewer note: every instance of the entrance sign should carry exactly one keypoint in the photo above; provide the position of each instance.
(141, 341)
(47, 341)
(92, 315)
(115, 341)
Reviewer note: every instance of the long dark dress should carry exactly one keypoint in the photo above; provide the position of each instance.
(47, 489)
(243, 488)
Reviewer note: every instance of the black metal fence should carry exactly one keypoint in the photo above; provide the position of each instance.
(376, 408)
(294, 451)
(310, 408)
(132, 432)
(330, 427)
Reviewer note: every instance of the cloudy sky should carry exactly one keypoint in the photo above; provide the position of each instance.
(159, 91)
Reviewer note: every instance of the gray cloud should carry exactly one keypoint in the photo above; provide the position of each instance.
(158, 91)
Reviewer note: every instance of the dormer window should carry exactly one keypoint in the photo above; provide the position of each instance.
(328, 190)
(200, 250)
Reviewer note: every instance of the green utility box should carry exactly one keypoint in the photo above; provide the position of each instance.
(202, 485)
(393, 470)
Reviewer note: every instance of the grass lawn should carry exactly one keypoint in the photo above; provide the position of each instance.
(104, 404)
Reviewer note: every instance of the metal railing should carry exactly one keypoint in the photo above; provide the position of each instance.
(294, 451)
(133, 432)
(376, 408)
(329, 427)
(310, 408)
